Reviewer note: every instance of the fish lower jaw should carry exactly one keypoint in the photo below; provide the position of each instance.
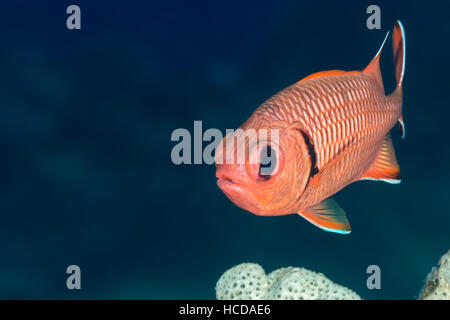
(240, 196)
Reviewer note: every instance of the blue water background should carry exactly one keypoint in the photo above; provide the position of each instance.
(85, 122)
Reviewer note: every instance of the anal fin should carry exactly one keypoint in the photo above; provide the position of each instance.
(327, 215)
(385, 167)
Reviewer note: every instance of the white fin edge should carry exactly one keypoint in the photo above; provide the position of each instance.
(326, 229)
(391, 181)
(402, 124)
(404, 50)
(382, 45)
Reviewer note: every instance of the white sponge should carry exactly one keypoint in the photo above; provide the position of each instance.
(303, 284)
(437, 284)
(246, 281)
(249, 281)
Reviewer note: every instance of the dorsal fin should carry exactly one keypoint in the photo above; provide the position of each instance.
(373, 68)
(385, 167)
(321, 74)
(327, 215)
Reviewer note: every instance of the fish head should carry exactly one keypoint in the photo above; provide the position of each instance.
(263, 169)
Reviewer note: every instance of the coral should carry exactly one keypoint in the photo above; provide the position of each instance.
(246, 281)
(437, 283)
(249, 281)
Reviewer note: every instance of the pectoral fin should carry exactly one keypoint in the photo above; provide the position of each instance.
(385, 167)
(327, 215)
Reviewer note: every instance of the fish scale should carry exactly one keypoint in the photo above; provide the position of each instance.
(363, 105)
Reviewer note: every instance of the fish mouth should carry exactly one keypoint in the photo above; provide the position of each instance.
(237, 193)
(225, 182)
(226, 178)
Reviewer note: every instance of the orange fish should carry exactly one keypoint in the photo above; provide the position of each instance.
(332, 129)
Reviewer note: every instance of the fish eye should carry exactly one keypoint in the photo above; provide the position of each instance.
(268, 162)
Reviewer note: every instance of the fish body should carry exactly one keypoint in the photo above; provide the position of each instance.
(333, 130)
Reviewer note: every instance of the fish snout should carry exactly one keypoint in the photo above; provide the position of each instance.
(237, 191)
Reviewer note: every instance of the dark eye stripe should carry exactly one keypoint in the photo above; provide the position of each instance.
(312, 154)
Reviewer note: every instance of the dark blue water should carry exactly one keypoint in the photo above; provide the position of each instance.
(85, 122)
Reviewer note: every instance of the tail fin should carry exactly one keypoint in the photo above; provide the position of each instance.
(398, 45)
(373, 68)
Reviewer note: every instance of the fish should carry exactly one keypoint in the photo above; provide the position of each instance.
(322, 133)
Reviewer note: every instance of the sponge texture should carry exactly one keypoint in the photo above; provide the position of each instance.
(303, 284)
(246, 281)
(437, 284)
(249, 281)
